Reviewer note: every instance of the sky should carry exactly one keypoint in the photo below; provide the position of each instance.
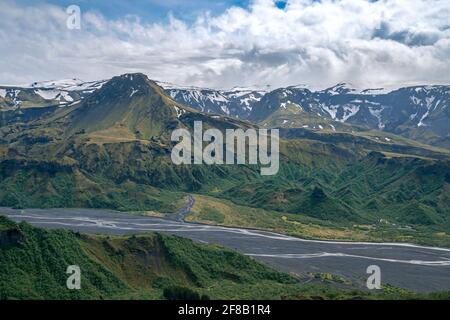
(227, 43)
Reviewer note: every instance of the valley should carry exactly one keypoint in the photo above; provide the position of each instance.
(400, 263)
(256, 153)
(342, 176)
(212, 211)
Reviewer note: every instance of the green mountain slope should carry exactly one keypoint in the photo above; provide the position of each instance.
(34, 263)
(131, 102)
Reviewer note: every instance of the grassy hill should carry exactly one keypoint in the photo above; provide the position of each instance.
(34, 263)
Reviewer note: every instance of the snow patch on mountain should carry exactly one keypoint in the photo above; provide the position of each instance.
(331, 110)
(48, 94)
(376, 112)
(179, 111)
(421, 123)
(237, 102)
(133, 92)
(349, 111)
(225, 109)
(52, 84)
(416, 100)
(67, 85)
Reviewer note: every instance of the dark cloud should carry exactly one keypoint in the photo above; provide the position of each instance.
(407, 37)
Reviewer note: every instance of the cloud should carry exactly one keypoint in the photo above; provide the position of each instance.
(368, 43)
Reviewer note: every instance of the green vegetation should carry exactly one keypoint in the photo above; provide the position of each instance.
(182, 293)
(211, 214)
(25, 184)
(303, 226)
(329, 277)
(34, 261)
(112, 150)
(154, 266)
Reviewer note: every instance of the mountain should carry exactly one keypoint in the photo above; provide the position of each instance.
(419, 112)
(26, 103)
(100, 150)
(131, 104)
(111, 149)
(40, 94)
(237, 102)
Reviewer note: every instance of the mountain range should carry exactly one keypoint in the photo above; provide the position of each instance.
(419, 113)
(108, 146)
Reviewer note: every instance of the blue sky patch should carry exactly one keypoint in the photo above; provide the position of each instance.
(148, 10)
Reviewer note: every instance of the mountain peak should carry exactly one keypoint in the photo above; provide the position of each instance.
(137, 79)
(127, 86)
(130, 105)
(134, 77)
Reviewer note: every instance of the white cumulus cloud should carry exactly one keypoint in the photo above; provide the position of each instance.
(368, 43)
